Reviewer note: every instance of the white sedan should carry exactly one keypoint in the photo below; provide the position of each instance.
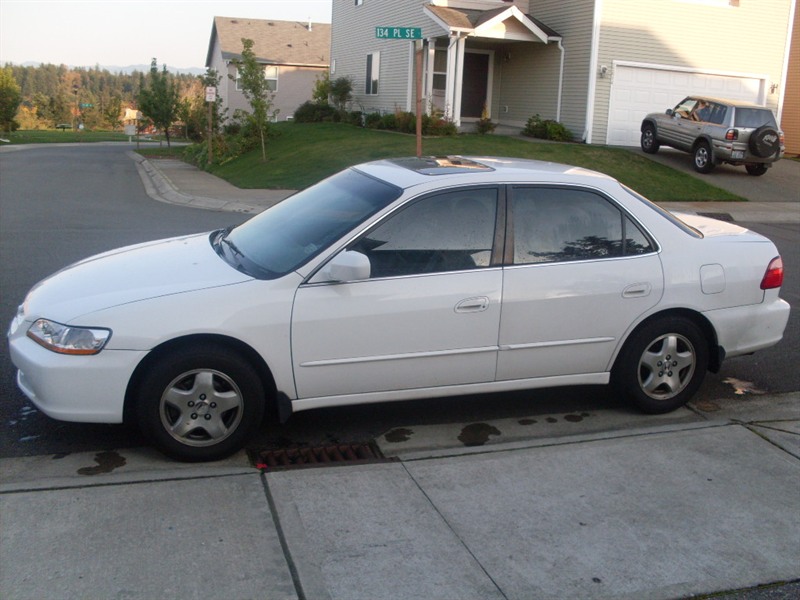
(392, 280)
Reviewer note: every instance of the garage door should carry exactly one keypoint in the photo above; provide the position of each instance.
(637, 91)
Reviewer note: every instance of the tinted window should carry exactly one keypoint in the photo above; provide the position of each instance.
(562, 224)
(754, 117)
(446, 232)
(282, 238)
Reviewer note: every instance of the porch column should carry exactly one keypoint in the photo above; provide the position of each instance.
(455, 76)
(430, 57)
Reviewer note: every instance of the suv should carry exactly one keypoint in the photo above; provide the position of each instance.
(717, 131)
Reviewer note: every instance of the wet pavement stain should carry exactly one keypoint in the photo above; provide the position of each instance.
(707, 406)
(396, 436)
(551, 420)
(527, 421)
(477, 434)
(106, 463)
(576, 418)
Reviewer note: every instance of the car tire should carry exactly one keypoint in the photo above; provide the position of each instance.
(756, 169)
(765, 142)
(200, 404)
(648, 141)
(703, 160)
(662, 365)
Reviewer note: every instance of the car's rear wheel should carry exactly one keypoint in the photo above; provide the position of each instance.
(756, 169)
(201, 403)
(648, 140)
(703, 161)
(662, 365)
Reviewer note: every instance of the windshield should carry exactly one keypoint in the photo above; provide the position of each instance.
(282, 238)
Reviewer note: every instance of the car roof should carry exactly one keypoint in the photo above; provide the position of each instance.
(739, 103)
(408, 172)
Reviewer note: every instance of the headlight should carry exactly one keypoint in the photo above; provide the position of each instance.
(68, 340)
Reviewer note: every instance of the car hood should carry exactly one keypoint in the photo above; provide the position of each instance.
(130, 274)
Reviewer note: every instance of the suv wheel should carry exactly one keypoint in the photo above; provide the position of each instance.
(703, 162)
(648, 140)
(765, 142)
(756, 169)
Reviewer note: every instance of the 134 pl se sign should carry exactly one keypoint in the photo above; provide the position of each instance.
(398, 33)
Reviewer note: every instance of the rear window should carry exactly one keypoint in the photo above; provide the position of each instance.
(754, 117)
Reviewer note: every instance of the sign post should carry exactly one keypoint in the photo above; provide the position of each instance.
(211, 97)
(411, 34)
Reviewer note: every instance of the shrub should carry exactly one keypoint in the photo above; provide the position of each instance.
(546, 129)
(314, 112)
(372, 120)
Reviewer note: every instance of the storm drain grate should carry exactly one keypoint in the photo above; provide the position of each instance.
(319, 456)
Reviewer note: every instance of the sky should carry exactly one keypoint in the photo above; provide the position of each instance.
(130, 32)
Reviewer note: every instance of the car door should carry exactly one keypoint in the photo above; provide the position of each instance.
(427, 316)
(679, 130)
(582, 272)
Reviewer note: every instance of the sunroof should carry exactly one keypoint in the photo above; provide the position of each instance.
(441, 165)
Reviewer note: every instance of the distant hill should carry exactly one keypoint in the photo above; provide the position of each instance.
(118, 69)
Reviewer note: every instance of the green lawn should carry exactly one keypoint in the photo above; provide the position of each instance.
(302, 154)
(66, 136)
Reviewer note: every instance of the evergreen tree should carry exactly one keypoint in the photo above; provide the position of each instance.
(159, 101)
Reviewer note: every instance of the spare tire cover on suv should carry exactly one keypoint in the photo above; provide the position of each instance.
(765, 141)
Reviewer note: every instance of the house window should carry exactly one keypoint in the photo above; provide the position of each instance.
(271, 75)
(359, 2)
(439, 70)
(373, 72)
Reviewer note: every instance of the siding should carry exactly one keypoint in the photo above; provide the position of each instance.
(790, 119)
(353, 37)
(573, 20)
(748, 39)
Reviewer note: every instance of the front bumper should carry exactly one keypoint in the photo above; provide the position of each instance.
(88, 389)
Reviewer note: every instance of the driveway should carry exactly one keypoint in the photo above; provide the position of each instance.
(780, 184)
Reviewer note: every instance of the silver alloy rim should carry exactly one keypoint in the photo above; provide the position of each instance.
(201, 407)
(701, 157)
(666, 366)
(647, 138)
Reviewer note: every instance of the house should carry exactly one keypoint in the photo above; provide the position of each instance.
(294, 55)
(597, 66)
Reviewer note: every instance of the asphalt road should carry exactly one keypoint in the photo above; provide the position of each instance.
(61, 204)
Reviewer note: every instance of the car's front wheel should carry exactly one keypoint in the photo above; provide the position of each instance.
(756, 169)
(703, 161)
(200, 403)
(648, 140)
(662, 365)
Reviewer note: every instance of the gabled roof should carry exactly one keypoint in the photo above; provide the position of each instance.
(479, 23)
(274, 42)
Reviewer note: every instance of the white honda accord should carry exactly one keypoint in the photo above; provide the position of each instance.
(392, 280)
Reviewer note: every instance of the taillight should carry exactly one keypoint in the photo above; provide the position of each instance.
(773, 278)
(732, 134)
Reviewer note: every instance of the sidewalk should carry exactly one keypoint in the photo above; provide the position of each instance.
(693, 503)
(176, 182)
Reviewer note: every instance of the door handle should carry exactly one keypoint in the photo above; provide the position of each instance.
(470, 305)
(637, 290)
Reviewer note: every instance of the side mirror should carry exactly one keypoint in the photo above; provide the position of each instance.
(345, 266)
(669, 112)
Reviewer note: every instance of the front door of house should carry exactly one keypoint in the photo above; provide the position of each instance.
(475, 87)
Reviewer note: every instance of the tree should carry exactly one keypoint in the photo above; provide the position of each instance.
(112, 111)
(159, 100)
(256, 88)
(10, 98)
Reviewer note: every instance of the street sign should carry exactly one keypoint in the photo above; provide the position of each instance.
(86, 105)
(398, 33)
(211, 94)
